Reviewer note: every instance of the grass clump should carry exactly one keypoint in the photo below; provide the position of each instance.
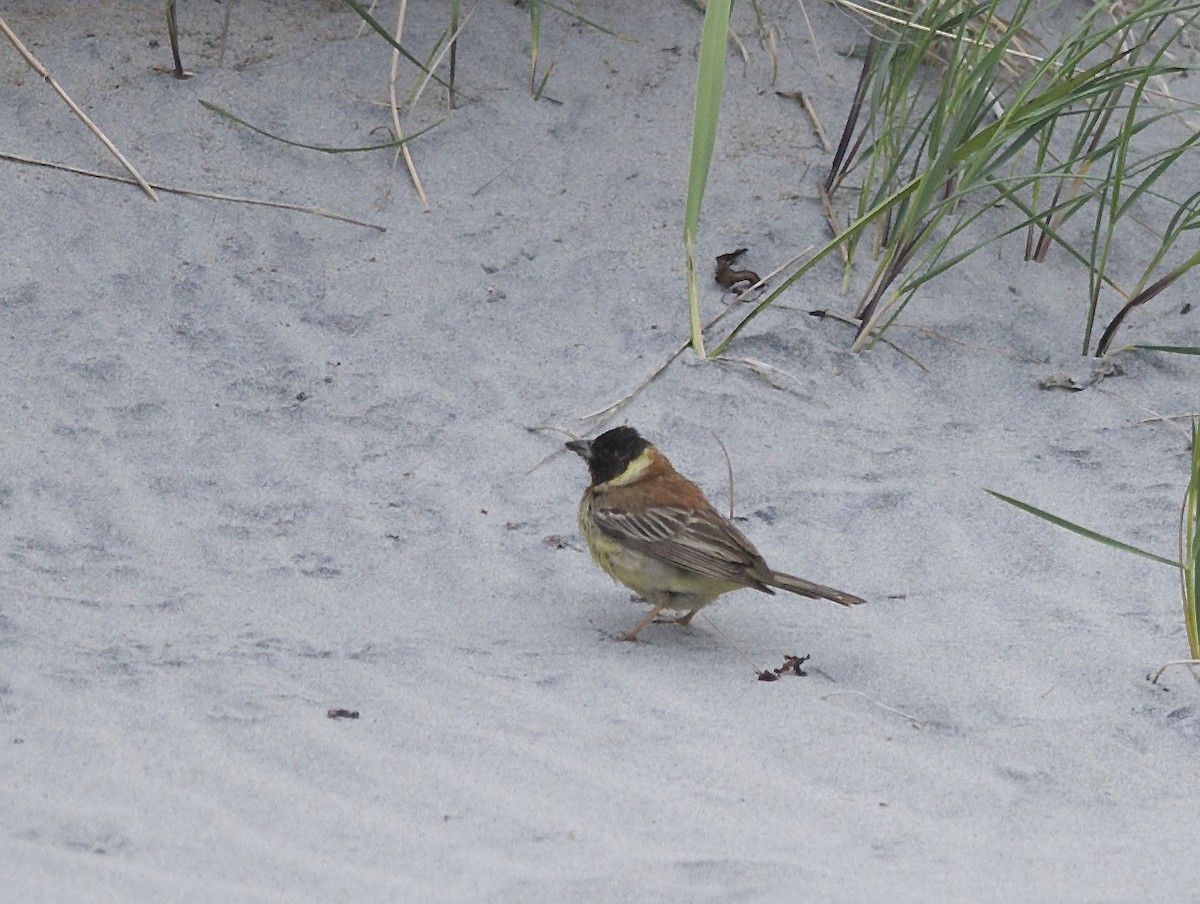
(956, 116)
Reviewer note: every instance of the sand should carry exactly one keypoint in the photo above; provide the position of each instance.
(259, 465)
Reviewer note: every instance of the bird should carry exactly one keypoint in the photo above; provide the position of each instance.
(653, 530)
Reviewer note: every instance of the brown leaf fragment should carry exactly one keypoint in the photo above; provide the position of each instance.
(727, 277)
(791, 666)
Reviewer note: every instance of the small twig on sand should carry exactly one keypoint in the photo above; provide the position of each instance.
(834, 224)
(1155, 417)
(769, 373)
(173, 34)
(913, 720)
(196, 193)
(953, 340)
(728, 470)
(886, 341)
(402, 151)
(729, 640)
(41, 70)
(802, 99)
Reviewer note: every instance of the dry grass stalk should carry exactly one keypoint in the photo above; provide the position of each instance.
(41, 70)
(402, 151)
(196, 193)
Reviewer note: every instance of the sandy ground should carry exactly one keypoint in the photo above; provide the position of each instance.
(260, 464)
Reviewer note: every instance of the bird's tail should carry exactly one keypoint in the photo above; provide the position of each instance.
(815, 591)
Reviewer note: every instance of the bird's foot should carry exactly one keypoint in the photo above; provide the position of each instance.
(650, 616)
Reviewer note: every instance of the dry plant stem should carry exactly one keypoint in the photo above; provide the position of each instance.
(1141, 298)
(844, 155)
(550, 428)
(835, 226)
(728, 470)
(850, 321)
(453, 48)
(533, 147)
(1009, 52)
(812, 35)
(916, 723)
(195, 193)
(733, 36)
(223, 42)
(801, 98)
(437, 60)
(816, 121)
(402, 151)
(946, 337)
(1042, 246)
(1155, 417)
(1191, 667)
(41, 70)
(768, 373)
(729, 640)
(173, 34)
(1167, 417)
(610, 409)
(362, 26)
(771, 44)
(916, 26)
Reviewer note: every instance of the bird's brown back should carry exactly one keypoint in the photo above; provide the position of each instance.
(731, 555)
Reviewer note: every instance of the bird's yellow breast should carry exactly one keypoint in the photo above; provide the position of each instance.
(651, 578)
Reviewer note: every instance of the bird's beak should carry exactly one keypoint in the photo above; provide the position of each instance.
(582, 448)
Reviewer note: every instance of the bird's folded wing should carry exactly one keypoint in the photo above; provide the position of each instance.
(694, 539)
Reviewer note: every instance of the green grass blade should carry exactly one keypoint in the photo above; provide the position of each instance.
(588, 22)
(1141, 298)
(824, 251)
(1082, 531)
(383, 33)
(1189, 548)
(710, 77)
(324, 149)
(1060, 139)
(535, 31)
(1173, 349)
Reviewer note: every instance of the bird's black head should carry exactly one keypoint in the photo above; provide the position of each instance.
(610, 453)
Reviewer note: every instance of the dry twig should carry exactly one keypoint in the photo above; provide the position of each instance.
(196, 193)
(402, 151)
(41, 70)
(801, 98)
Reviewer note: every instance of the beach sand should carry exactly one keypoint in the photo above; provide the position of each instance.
(260, 464)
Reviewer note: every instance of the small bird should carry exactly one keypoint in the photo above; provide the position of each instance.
(653, 530)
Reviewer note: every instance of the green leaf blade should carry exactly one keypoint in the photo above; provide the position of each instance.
(1082, 531)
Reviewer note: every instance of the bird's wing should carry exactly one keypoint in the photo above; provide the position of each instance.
(697, 539)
